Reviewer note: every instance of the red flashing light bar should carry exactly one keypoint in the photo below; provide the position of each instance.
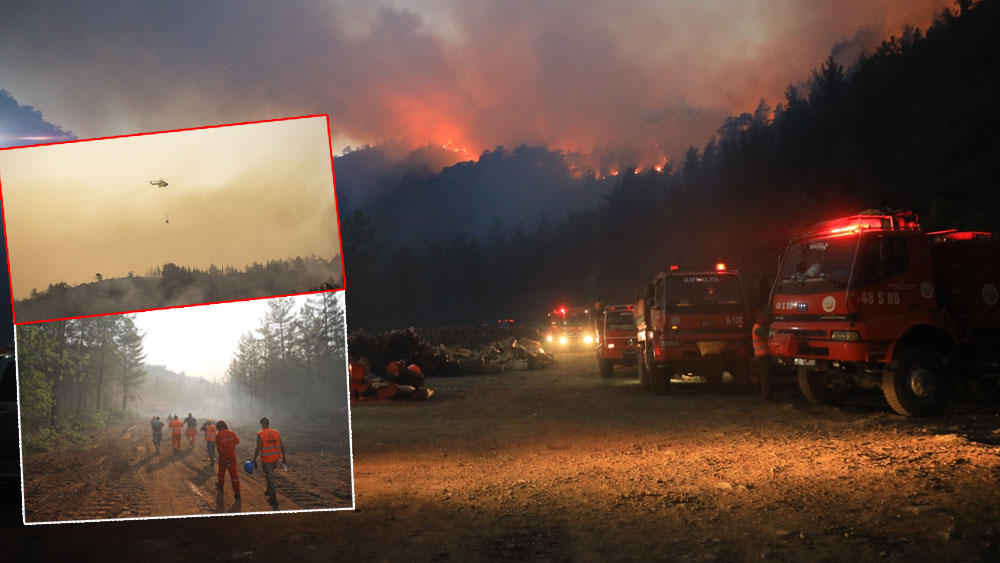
(674, 267)
(954, 234)
(856, 223)
(720, 267)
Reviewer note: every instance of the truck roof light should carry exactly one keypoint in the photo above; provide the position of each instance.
(900, 220)
(955, 234)
(674, 267)
(720, 267)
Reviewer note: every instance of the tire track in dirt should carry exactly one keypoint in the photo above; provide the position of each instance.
(120, 475)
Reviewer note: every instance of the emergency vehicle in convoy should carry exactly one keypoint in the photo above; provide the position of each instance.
(870, 300)
(693, 323)
(570, 327)
(615, 337)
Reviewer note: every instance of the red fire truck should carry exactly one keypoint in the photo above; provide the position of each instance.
(693, 323)
(570, 328)
(615, 338)
(870, 300)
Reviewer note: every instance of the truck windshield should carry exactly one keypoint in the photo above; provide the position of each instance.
(818, 265)
(575, 319)
(619, 320)
(702, 292)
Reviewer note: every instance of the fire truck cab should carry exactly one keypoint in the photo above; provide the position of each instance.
(693, 323)
(615, 338)
(870, 300)
(570, 328)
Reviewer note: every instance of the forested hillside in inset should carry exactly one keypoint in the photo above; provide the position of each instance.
(295, 361)
(911, 125)
(172, 285)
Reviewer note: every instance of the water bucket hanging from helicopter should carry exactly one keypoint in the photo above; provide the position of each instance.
(162, 184)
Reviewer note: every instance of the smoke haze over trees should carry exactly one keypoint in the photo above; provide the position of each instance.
(295, 361)
(910, 125)
(172, 285)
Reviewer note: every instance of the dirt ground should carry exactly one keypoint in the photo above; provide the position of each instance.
(562, 465)
(120, 475)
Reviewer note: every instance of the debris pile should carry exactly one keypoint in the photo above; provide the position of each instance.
(389, 355)
(508, 354)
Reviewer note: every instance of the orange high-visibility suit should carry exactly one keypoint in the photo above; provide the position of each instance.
(210, 433)
(175, 432)
(225, 442)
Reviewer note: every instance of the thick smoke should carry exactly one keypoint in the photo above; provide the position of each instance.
(471, 76)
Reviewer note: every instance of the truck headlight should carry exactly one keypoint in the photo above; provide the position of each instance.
(548, 338)
(563, 340)
(845, 335)
(588, 339)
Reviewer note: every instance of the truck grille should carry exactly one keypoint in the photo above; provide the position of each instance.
(806, 333)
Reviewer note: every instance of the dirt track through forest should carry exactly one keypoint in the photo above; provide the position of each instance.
(563, 465)
(120, 475)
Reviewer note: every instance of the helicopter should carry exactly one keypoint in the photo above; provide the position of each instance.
(162, 183)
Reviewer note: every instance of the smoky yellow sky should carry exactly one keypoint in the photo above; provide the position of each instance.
(236, 195)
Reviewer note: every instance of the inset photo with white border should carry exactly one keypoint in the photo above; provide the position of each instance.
(222, 409)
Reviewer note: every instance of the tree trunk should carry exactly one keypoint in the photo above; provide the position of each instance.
(100, 372)
(57, 374)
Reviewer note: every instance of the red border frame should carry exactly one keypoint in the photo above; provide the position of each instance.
(336, 210)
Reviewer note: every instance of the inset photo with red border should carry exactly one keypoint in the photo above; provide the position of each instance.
(230, 408)
(159, 220)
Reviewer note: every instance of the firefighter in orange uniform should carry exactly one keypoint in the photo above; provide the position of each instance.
(270, 449)
(225, 443)
(210, 432)
(175, 433)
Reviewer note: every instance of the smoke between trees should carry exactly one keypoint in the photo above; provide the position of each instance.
(295, 362)
(910, 125)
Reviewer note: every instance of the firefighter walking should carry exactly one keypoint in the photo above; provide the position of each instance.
(191, 432)
(225, 443)
(157, 426)
(210, 432)
(270, 449)
(175, 433)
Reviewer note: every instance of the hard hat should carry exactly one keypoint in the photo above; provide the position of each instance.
(248, 467)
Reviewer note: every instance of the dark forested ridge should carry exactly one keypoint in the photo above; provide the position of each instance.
(172, 285)
(911, 125)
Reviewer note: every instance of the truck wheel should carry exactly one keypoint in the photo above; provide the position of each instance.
(659, 379)
(916, 383)
(821, 388)
(606, 367)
